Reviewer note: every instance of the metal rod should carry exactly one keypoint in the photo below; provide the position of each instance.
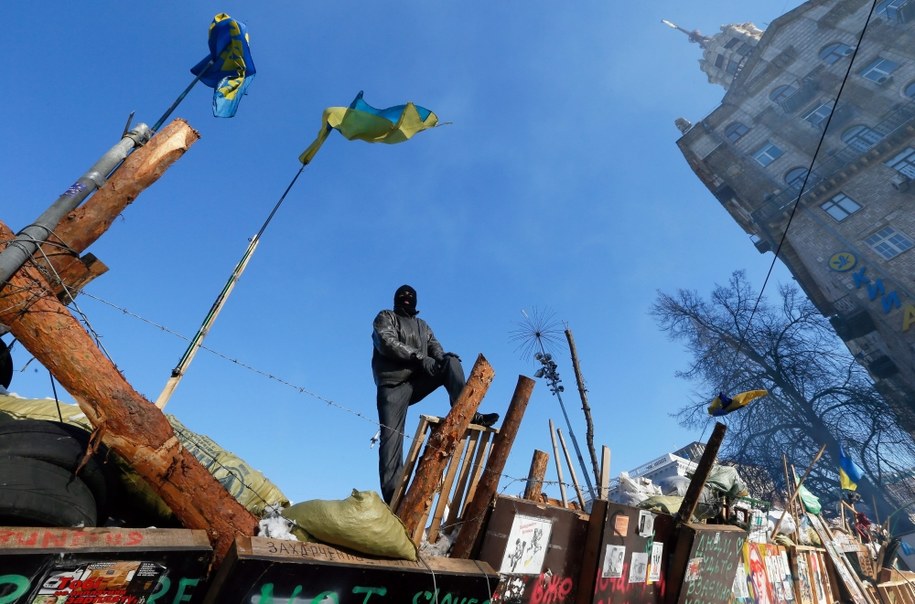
(181, 96)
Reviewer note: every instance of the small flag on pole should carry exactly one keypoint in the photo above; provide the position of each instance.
(229, 69)
(850, 473)
(364, 122)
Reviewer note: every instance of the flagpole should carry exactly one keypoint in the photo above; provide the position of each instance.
(181, 96)
(197, 341)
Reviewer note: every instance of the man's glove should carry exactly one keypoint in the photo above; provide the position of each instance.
(430, 365)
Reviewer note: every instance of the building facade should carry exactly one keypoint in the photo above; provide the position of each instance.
(817, 128)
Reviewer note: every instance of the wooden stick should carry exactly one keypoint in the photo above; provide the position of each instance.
(565, 451)
(466, 542)
(797, 489)
(562, 486)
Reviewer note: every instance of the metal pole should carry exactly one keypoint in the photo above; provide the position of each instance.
(197, 340)
(28, 239)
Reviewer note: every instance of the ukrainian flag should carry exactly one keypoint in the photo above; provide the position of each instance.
(229, 68)
(850, 473)
(364, 122)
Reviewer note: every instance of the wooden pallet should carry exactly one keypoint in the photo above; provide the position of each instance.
(459, 480)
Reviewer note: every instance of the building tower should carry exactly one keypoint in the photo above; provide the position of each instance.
(850, 242)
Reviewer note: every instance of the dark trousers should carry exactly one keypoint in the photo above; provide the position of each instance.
(393, 402)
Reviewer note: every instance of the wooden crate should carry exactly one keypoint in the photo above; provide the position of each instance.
(102, 564)
(259, 569)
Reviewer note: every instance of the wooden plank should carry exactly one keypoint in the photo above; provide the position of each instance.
(19, 540)
(591, 558)
(458, 500)
(445, 492)
(412, 456)
(846, 574)
(478, 464)
(259, 569)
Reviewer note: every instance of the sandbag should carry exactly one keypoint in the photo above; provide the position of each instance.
(728, 481)
(362, 522)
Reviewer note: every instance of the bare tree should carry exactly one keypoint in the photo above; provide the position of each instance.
(818, 394)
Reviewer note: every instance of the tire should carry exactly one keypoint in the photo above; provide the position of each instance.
(38, 493)
(60, 444)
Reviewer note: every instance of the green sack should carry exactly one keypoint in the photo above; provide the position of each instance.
(362, 522)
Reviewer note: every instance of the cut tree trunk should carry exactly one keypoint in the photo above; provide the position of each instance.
(128, 423)
(440, 447)
(59, 259)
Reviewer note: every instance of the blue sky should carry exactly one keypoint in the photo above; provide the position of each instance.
(558, 186)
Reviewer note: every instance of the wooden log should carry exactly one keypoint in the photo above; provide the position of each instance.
(585, 407)
(562, 486)
(691, 499)
(469, 533)
(441, 445)
(125, 421)
(537, 474)
(84, 225)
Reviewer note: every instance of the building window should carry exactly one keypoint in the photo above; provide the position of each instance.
(782, 93)
(831, 53)
(795, 177)
(732, 43)
(909, 90)
(819, 114)
(744, 49)
(840, 207)
(767, 154)
(735, 131)
(892, 10)
(904, 163)
(861, 138)
(888, 242)
(879, 70)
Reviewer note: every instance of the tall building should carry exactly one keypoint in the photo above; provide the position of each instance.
(822, 104)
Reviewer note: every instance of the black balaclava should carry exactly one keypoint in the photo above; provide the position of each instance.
(405, 301)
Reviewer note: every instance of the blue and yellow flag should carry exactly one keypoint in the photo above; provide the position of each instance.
(228, 69)
(362, 121)
(723, 404)
(850, 473)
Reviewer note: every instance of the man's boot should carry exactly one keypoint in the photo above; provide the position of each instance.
(485, 419)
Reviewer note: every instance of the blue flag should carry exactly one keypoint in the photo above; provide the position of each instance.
(228, 69)
(849, 472)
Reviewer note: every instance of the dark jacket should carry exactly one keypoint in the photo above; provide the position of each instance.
(399, 345)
